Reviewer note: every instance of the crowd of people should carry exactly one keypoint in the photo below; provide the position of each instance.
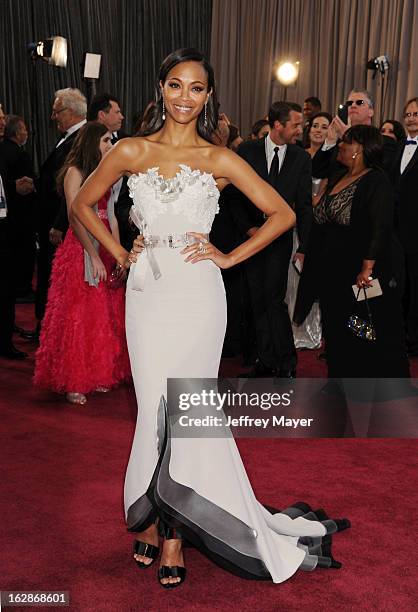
(351, 186)
(329, 199)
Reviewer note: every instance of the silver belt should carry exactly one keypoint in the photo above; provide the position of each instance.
(171, 241)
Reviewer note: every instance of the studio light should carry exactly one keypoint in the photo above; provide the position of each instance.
(380, 63)
(287, 73)
(52, 50)
(380, 66)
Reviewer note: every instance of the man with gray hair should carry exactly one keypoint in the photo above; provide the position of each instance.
(69, 111)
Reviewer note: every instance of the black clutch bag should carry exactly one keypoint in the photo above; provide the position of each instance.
(116, 279)
(362, 328)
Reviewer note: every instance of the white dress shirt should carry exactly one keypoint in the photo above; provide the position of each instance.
(3, 204)
(71, 130)
(270, 146)
(408, 152)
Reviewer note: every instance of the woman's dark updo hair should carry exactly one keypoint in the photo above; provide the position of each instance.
(154, 119)
(258, 125)
(371, 140)
(398, 129)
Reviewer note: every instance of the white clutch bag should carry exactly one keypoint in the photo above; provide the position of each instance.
(369, 292)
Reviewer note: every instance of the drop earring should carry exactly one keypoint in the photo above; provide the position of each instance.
(206, 114)
(354, 155)
(163, 115)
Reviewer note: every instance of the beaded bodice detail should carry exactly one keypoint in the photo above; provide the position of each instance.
(191, 196)
(336, 208)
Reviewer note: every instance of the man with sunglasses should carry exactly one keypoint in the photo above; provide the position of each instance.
(360, 111)
(405, 179)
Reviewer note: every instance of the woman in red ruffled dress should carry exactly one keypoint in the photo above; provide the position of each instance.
(82, 343)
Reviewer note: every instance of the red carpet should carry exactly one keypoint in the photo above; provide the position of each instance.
(62, 518)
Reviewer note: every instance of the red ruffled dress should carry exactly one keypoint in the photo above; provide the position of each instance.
(82, 342)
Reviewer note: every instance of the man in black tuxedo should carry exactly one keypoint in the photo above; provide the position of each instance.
(278, 160)
(105, 108)
(405, 179)
(21, 201)
(7, 254)
(360, 110)
(69, 112)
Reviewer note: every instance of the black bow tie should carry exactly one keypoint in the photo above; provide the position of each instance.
(412, 142)
(114, 139)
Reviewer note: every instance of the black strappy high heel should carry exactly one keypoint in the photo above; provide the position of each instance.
(175, 571)
(145, 550)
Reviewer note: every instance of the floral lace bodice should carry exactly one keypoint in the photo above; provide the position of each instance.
(185, 202)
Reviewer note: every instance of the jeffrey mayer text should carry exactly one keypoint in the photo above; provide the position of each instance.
(243, 421)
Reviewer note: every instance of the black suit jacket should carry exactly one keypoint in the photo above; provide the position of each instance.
(16, 162)
(51, 212)
(294, 184)
(406, 200)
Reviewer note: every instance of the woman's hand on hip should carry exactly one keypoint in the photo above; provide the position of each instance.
(203, 249)
(137, 248)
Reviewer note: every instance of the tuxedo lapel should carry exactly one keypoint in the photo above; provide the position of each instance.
(412, 162)
(286, 167)
(260, 161)
(396, 168)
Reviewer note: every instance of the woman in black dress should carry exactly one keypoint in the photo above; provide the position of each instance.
(352, 241)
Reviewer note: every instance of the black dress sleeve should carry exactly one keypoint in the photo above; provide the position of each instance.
(324, 163)
(303, 204)
(379, 216)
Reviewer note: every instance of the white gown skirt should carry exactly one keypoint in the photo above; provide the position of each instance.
(175, 329)
(309, 334)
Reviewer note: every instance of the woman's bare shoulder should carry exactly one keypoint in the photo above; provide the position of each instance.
(222, 159)
(73, 174)
(130, 146)
(131, 152)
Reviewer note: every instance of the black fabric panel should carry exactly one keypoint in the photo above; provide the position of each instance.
(132, 36)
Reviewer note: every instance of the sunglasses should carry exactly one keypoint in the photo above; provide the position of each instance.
(408, 115)
(356, 102)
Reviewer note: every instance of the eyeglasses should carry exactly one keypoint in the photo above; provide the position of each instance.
(57, 112)
(408, 115)
(356, 102)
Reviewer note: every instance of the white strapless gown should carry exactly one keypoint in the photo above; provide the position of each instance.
(175, 328)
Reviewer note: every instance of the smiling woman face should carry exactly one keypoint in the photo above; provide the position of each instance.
(318, 131)
(185, 91)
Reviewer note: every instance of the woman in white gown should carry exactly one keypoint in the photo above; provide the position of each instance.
(175, 325)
